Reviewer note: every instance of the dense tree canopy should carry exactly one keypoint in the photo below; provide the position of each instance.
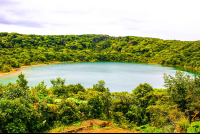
(35, 109)
(18, 49)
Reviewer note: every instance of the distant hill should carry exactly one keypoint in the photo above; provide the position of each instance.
(19, 49)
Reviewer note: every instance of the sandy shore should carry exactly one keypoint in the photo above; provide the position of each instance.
(16, 71)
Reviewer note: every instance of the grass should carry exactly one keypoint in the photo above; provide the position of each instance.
(107, 128)
(95, 127)
(60, 127)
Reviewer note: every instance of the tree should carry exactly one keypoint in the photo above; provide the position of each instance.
(107, 102)
(100, 87)
(141, 93)
(57, 82)
(106, 96)
(22, 82)
(181, 88)
(96, 101)
(142, 98)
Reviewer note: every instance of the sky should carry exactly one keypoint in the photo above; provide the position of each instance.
(164, 19)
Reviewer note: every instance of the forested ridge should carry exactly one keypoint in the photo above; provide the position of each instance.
(27, 109)
(19, 50)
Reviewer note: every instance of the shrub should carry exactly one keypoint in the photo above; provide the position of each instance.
(194, 127)
(14, 91)
(149, 129)
(183, 124)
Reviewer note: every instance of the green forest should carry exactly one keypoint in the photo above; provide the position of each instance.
(25, 109)
(146, 109)
(18, 50)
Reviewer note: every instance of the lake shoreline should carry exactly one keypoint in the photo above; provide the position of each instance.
(18, 70)
(193, 69)
(119, 76)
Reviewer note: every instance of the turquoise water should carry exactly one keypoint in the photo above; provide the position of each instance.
(118, 76)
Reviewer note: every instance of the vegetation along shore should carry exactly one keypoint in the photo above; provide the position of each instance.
(18, 50)
(145, 109)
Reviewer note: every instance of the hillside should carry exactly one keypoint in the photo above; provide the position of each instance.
(20, 50)
(25, 109)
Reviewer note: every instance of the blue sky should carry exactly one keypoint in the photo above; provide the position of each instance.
(165, 19)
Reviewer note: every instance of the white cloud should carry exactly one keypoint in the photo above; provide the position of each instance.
(166, 19)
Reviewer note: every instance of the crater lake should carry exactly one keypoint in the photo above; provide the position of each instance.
(118, 76)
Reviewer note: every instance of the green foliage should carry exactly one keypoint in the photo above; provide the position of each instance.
(142, 94)
(120, 119)
(24, 110)
(57, 82)
(183, 124)
(96, 103)
(105, 96)
(182, 89)
(13, 91)
(1, 89)
(22, 82)
(40, 87)
(20, 49)
(6, 68)
(148, 129)
(107, 128)
(100, 87)
(36, 110)
(142, 98)
(194, 127)
(18, 116)
(95, 127)
(69, 90)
